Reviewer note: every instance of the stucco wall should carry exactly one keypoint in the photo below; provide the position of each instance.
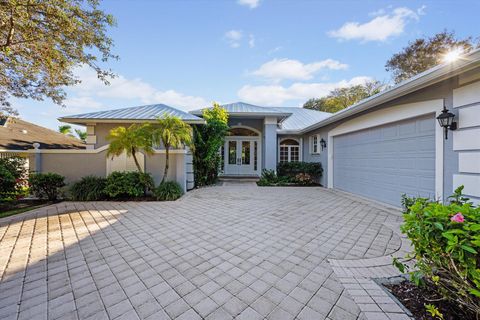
(102, 130)
(74, 166)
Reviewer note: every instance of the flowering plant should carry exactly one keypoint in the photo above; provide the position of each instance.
(446, 242)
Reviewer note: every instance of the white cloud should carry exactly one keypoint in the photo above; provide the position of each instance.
(251, 41)
(252, 4)
(276, 95)
(278, 69)
(234, 37)
(91, 90)
(380, 28)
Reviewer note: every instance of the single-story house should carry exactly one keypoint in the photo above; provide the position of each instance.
(22, 138)
(379, 148)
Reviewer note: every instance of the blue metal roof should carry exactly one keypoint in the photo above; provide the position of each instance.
(301, 118)
(148, 112)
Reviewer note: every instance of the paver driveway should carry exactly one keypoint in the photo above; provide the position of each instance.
(218, 253)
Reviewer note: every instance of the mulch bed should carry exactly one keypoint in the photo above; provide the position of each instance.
(415, 298)
(15, 207)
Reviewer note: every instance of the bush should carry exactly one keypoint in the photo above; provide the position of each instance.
(446, 241)
(168, 191)
(89, 188)
(12, 178)
(304, 179)
(128, 184)
(270, 178)
(292, 169)
(46, 185)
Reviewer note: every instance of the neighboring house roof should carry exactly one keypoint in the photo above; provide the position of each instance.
(241, 109)
(18, 134)
(420, 81)
(139, 113)
(301, 118)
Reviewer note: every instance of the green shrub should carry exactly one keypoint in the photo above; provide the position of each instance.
(270, 178)
(46, 185)
(446, 242)
(168, 191)
(292, 169)
(89, 188)
(12, 178)
(129, 185)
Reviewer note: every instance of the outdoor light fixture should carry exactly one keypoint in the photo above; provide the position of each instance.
(445, 119)
(323, 144)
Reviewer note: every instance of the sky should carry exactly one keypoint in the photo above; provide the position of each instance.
(189, 53)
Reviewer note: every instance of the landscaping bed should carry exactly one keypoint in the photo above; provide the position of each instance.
(20, 206)
(415, 299)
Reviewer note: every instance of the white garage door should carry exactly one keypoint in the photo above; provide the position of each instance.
(384, 162)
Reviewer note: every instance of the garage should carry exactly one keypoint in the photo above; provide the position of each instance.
(384, 162)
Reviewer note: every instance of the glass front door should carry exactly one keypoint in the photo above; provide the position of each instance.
(241, 157)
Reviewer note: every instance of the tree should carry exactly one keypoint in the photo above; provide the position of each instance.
(341, 98)
(172, 132)
(208, 139)
(130, 140)
(65, 129)
(82, 135)
(425, 53)
(42, 41)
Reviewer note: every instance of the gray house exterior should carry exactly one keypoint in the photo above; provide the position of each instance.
(380, 148)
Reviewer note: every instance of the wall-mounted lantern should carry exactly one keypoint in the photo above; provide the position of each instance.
(323, 144)
(445, 119)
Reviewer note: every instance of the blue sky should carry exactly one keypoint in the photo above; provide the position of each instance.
(267, 52)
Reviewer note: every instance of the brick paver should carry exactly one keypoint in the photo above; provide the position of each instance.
(218, 253)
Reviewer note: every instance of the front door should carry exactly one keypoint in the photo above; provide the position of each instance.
(240, 157)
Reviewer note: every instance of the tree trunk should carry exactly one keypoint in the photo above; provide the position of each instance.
(136, 161)
(167, 156)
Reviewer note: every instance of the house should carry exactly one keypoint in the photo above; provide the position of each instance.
(22, 138)
(379, 148)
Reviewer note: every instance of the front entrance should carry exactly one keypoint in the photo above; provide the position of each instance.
(241, 155)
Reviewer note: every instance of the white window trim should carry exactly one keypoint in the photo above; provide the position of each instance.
(300, 147)
(390, 115)
(312, 144)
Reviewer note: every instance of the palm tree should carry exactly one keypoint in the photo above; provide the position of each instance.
(130, 140)
(65, 129)
(172, 132)
(82, 135)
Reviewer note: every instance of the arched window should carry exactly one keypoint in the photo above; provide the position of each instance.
(289, 150)
(244, 132)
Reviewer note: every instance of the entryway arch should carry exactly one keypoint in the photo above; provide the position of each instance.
(241, 153)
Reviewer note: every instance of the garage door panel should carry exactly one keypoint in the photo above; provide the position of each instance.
(384, 162)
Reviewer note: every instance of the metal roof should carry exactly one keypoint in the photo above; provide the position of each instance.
(144, 113)
(301, 118)
(293, 118)
(246, 109)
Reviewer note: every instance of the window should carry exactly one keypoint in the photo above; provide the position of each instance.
(315, 144)
(244, 132)
(289, 151)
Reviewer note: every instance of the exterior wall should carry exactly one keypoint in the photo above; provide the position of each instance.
(101, 131)
(466, 140)
(445, 90)
(75, 165)
(270, 144)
